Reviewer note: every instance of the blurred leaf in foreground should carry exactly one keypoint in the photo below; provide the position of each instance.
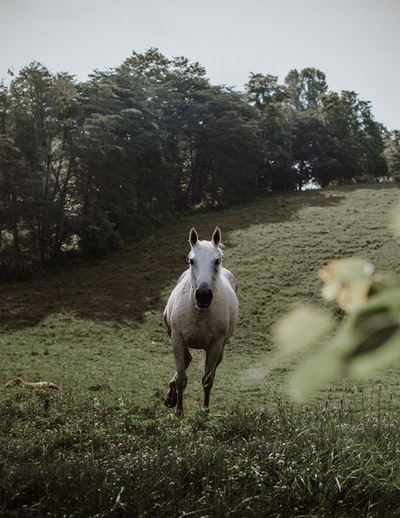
(366, 341)
(302, 327)
(347, 281)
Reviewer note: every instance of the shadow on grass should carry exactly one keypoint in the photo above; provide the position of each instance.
(126, 285)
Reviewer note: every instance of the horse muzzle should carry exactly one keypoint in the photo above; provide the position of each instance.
(203, 295)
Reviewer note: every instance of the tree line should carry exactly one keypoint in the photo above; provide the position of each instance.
(86, 165)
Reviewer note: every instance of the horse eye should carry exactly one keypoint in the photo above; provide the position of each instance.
(217, 262)
(191, 261)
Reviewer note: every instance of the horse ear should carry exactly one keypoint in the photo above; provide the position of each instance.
(193, 236)
(216, 237)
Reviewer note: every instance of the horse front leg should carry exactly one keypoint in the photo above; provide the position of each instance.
(181, 377)
(214, 357)
(171, 397)
(178, 383)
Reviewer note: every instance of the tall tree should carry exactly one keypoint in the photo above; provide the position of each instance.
(37, 130)
(227, 152)
(274, 132)
(121, 152)
(353, 141)
(308, 134)
(304, 91)
(392, 153)
(305, 87)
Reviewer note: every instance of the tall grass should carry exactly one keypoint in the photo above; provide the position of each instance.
(68, 457)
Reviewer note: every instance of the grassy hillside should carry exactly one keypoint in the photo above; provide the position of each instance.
(105, 445)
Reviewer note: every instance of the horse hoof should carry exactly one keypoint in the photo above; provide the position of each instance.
(170, 402)
(171, 398)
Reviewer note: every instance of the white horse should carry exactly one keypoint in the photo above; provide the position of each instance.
(201, 313)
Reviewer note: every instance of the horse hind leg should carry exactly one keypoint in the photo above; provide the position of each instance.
(213, 359)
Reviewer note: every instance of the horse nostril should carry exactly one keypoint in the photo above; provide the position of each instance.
(204, 295)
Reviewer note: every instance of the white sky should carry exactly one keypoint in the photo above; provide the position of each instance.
(355, 42)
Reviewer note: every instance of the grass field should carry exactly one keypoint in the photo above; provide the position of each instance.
(106, 446)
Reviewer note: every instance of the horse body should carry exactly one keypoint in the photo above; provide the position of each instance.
(201, 313)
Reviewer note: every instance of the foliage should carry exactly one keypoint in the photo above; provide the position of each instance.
(134, 144)
(274, 135)
(353, 144)
(37, 162)
(305, 88)
(392, 153)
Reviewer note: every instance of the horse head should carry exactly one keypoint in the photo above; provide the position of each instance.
(205, 258)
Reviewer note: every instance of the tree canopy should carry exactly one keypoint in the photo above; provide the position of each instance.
(84, 165)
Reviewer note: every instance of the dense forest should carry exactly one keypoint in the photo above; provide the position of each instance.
(86, 165)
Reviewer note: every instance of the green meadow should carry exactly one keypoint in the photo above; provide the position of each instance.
(105, 445)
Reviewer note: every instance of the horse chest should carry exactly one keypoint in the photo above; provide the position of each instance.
(202, 328)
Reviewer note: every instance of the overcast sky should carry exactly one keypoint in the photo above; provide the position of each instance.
(355, 42)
